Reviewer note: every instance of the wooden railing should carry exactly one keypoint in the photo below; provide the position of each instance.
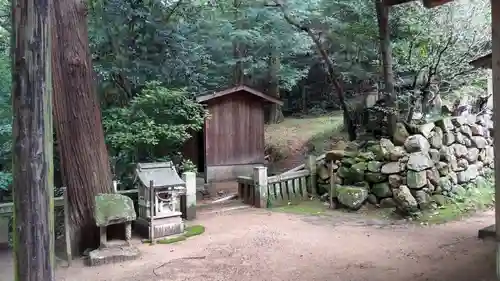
(246, 190)
(262, 191)
(289, 188)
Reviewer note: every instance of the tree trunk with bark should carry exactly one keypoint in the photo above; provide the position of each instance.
(238, 73)
(32, 137)
(275, 112)
(85, 168)
(387, 62)
(332, 76)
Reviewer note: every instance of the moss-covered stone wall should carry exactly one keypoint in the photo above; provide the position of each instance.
(418, 169)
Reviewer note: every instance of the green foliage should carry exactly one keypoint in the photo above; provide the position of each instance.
(154, 126)
(188, 166)
(5, 181)
(194, 230)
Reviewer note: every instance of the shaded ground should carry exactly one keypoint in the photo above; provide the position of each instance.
(289, 142)
(266, 246)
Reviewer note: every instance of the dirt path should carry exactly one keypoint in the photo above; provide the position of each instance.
(262, 246)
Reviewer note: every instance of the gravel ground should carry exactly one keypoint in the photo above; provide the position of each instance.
(256, 245)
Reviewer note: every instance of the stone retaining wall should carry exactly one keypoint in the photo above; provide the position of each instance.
(423, 165)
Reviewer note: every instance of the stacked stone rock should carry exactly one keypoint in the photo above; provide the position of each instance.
(416, 171)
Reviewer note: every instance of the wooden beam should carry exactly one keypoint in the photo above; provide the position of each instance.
(495, 28)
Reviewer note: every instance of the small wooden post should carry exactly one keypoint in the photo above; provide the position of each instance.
(260, 185)
(67, 236)
(190, 180)
(311, 166)
(151, 212)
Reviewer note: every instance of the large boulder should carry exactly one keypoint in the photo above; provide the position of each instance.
(335, 155)
(395, 181)
(426, 129)
(416, 180)
(445, 183)
(472, 154)
(113, 209)
(469, 174)
(352, 197)
(397, 153)
(392, 168)
(374, 166)
(375, 177)
(479, 142)
(448, 138)
(460, 150)
(352, 173)
(443, 168)
(400, 134)
(416, 143)
(381, 190)
(433, 176)
(423, 199)
(419, 161)
(436, 141)
(445, 124)
(404, 199)
(435, 155)
(381, 149)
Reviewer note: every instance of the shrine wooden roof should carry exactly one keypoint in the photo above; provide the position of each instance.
(238, 89)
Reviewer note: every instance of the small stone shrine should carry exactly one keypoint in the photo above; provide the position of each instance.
(113, 209)
(159, 188)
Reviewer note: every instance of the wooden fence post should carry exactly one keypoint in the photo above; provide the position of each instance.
(67, 236)
(260, 184)
(190, 180)
(311, 166)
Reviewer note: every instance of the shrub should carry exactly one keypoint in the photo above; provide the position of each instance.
(153, 127)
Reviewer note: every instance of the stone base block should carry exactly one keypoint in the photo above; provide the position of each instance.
(162, 227)
(113, 255)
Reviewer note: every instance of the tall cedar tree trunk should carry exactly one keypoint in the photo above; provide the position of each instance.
(32, 137)
(387, 61)
(85, 167)
(275, 112)
(238, 74)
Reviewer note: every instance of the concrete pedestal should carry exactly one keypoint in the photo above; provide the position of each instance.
(163, 227)
(113, 255)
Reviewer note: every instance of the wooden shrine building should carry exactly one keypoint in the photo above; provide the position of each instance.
(232, 140)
